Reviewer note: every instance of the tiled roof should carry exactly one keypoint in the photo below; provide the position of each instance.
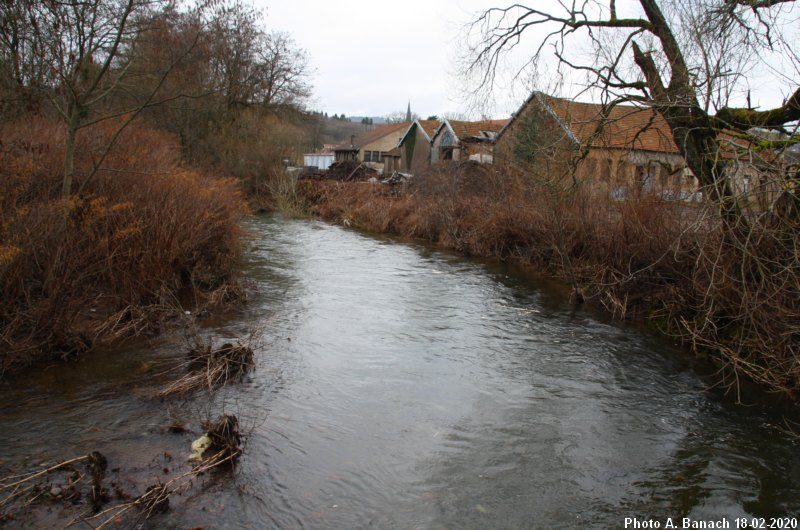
(472, 129)
(379, 132)
(429, 126)
(626, 126)
(394, 152)
(734, 145)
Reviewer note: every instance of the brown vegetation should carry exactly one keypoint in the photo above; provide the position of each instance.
(116, 257)
(667, 262)
(209, 368)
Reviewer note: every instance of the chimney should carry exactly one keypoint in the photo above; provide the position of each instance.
(352, 140)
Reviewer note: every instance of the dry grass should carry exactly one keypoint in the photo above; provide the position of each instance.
(119, 255)
(734, 296)
(210, 368)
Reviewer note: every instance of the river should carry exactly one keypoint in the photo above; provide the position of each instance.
(402, 387)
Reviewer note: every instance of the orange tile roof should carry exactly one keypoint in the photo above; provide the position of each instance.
(734, 145)
(429, 126)
(626, 126)
(472, 129)
(393, 152)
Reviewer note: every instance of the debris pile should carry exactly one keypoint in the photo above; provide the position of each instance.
(226, 441)
(396, 178)
(346, 171)
(211, 368)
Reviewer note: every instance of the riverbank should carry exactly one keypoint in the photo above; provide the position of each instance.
(140, 242)
(664, 263)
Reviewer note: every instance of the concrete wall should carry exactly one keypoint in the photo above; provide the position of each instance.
(391, 164)
(479, 151)
(756, 188)
(622, 173)
(318, 160)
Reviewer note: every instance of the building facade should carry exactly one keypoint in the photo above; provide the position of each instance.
(465, 140)
(415, 146)
(371, 146)
(620, 151)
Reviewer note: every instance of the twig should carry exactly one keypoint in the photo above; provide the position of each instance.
(157, 495)
(40, 473)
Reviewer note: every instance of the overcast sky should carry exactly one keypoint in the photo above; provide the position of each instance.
(371, 57)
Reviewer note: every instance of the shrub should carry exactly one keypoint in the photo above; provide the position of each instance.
(107, 262)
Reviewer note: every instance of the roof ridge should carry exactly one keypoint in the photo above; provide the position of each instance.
(621, 126)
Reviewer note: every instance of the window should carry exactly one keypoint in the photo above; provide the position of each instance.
(373, 156)
(663, 176)
(677, 178)
(646, 177)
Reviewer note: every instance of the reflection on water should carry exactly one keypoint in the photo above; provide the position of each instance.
(402, 387)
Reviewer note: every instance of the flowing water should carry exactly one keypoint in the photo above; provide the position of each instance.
(401, 387)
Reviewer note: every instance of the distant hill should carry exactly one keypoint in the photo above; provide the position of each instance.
(376, 120)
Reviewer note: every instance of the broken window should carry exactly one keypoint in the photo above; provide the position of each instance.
(646, 176)
(677, 179)
(447, 138)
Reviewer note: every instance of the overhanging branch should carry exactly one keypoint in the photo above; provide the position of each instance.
(744, 119)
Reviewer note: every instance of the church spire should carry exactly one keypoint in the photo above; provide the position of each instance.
(408, 112)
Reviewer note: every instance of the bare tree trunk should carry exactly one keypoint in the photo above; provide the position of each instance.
(69, 153)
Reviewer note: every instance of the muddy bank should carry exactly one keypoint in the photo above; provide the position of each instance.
(187, 454)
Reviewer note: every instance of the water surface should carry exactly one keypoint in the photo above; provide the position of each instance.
(401, 387)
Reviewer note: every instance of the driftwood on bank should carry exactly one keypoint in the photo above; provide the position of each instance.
(225, 448)
(18, 493)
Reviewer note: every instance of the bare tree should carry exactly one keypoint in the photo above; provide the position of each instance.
(684, 59)
(399, 116)
(252, 66)
(739, 275)
(285, 70)
(20, 66)
(76, 55)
